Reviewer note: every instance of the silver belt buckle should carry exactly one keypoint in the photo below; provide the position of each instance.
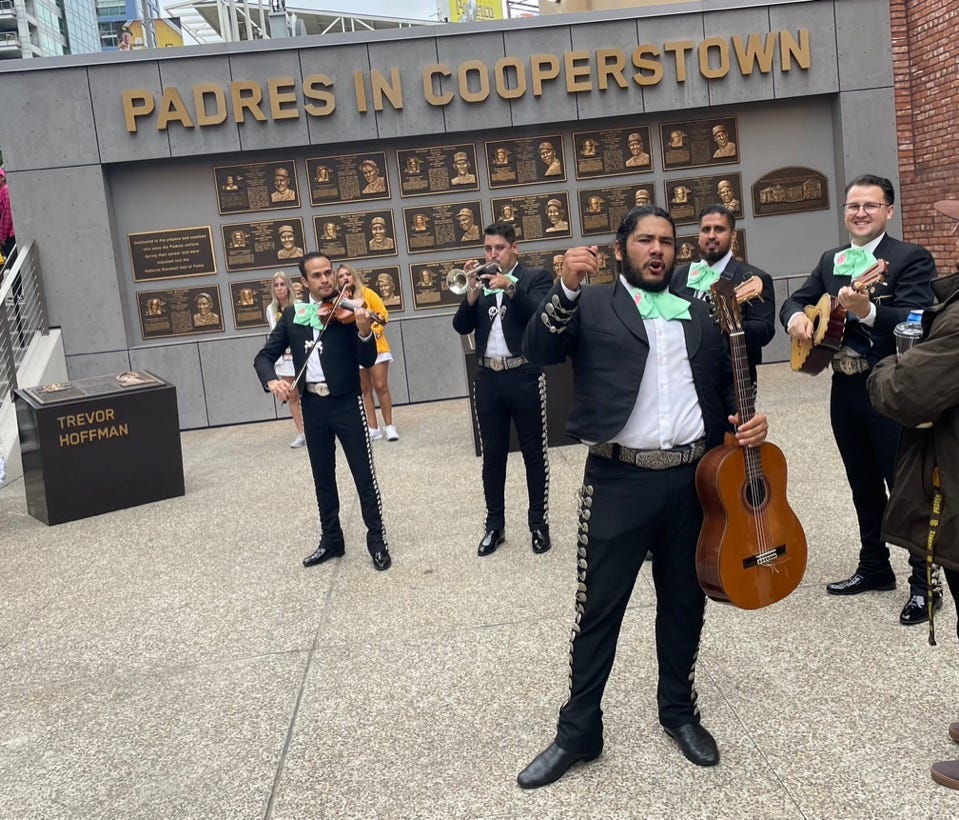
(847, 365)
(497, 363)
(319, 388)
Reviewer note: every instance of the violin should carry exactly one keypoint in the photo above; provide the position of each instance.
(341, 307)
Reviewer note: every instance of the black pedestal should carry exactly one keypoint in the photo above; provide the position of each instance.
(559, 401)
(96, 445)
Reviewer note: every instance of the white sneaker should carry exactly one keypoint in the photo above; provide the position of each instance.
(375, 434)
(299, 441)
(391, 434)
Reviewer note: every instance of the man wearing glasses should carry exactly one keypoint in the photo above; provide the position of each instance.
(866, 439)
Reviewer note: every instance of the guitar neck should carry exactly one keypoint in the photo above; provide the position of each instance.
(745, 401)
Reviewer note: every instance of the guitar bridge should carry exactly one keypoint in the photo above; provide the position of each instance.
(762, 559)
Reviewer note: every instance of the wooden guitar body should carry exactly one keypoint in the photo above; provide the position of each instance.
(752, 549)
(828, 319)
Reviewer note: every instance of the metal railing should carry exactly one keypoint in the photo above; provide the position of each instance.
(23, 314)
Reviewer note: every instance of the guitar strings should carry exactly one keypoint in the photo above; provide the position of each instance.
(751, 456)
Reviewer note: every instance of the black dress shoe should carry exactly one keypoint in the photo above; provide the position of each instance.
(550, 765)
(916, 609)
(861, 583)
(382, 560)
(491, 541)
(323, 553)
(541, 542)
(696, 744)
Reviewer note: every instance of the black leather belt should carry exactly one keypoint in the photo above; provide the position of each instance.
(502, 362)
(651, 459)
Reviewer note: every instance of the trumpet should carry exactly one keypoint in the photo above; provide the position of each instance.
(458, 281)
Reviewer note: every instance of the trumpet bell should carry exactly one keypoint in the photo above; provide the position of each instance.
(457, 281)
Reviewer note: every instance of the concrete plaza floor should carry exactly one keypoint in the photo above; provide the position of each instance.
(176, 660)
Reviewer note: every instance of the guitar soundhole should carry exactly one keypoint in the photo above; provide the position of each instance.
(756, 493)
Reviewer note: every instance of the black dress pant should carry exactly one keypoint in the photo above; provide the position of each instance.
(325, 419)
(625, 510)
(867, 442)
(517, 395)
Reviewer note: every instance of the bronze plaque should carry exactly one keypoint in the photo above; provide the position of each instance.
(180, 312)
(348, 178)
(535, 216)
(706, 142)
(607, 267)
(687, 248)
(437, 170)
(790, 190)
(250, 300)
(260, 186)
(685, 198)
(428, 280)
(385, 282)
(612, 152)
(171, 254)
(525, 161)
(601, 210)
(355, 236)
(549, 260)
(441, 227)
(264, 244)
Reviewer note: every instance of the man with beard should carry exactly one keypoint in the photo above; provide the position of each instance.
(717, 233)
(652, 392)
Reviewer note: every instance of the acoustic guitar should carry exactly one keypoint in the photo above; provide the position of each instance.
(829, 325)
(752, 549)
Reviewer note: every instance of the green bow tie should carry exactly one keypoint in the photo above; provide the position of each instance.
(494, 291)
(660, 304)
(305, 314)
(852, 262)
(702, 277)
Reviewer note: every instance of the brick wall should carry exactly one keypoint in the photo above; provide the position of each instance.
(926, 70)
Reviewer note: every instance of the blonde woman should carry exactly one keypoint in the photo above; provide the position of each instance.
(375, 378)
(283, 298)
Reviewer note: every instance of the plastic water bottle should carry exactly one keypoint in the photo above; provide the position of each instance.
(909, 332)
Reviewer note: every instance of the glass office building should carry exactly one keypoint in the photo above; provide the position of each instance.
(47, 28)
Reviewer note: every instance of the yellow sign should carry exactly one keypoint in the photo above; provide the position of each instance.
(166, 31)
(474, 11)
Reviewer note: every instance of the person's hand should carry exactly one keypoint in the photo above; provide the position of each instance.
(498, 280)
(800, 328)
(364, 322)
(578, 264)
(751, 433)
(279, 388)
(858, 304)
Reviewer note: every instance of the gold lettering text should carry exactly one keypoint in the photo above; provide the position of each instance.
(282, 92)
(173, 109)
(247, 96)
(313, 85)
(137, 103)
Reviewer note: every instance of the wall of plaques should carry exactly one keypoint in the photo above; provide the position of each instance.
(405, 215)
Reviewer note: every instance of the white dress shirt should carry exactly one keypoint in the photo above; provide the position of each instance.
(666, 413)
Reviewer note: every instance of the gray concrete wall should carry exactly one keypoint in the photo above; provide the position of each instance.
(81, 182)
